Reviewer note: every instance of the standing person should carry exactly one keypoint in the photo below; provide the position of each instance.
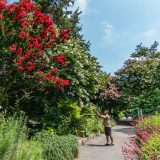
(107, 126)
(126, 115)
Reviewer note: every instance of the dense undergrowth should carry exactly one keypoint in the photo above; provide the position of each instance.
(15, 145)
(68, 118)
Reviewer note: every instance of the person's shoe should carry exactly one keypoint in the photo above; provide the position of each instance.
(107, 144)
(112, 144)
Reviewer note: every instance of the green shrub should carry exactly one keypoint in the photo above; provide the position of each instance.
(70, 108)
(29, 150)
(88, 126)
(62, 118)
(89, 122)
(113, 123)
(57, 147)
(68, 118)
(151, 149)
(13, 143)
(150, 123)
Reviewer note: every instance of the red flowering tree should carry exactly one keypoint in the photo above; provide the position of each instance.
(27, 40)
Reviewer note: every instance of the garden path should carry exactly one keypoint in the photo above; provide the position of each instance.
(94, 149)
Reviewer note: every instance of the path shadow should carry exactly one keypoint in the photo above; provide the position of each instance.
(124, 130)
(98, 145)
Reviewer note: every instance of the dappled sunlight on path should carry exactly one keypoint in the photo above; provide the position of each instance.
(95, 149)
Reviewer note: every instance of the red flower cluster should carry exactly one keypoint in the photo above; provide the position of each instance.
(59, 58)
(143, 134)
(35, 36)
(2, 5)
(64, 33)
(42, 76)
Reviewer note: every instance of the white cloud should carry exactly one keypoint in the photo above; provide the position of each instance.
(150, 33)
(108, 31)
(83, 4)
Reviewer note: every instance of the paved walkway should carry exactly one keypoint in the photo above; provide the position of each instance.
(95, 149)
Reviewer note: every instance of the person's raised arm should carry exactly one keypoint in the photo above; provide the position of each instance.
(98, 114)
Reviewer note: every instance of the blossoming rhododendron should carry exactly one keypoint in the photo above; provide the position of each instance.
(28, 40)
(109, 93)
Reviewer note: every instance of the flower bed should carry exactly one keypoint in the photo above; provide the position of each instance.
(146, 144)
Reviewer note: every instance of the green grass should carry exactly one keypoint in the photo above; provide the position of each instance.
(57, 147)
(13, 141)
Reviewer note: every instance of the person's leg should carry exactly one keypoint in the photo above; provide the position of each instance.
(111, 139)
(107, 138)
(110, 135)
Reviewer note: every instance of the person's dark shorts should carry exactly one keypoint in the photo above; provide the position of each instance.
(108, 131)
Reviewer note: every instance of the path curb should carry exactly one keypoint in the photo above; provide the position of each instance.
(83, 141)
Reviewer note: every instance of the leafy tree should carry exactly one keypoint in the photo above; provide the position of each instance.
(27, 63)
(82, 71)
(143, 52)
(84, 74)
(65, 17)
(140, 76)
(108, 95)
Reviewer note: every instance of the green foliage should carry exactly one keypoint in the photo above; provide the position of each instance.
(138, 79)
(149, 122)
(68, 118)
(45, 145)
(146, 144)
(67, 111)
(65, 16)
(150, 146)
(82, 70)
(29, 150)
(13, 141)
(113, 123)
(151, 149)
(62, 118)
(89, 124)
(61, 12)
(57, 147)
(148, 101)
(70, 108)
(121, 115)
(146, 52)
(138, 76)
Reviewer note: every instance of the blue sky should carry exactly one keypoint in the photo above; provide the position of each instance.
(115, 27)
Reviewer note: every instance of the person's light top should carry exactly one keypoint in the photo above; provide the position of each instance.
(106, 120)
